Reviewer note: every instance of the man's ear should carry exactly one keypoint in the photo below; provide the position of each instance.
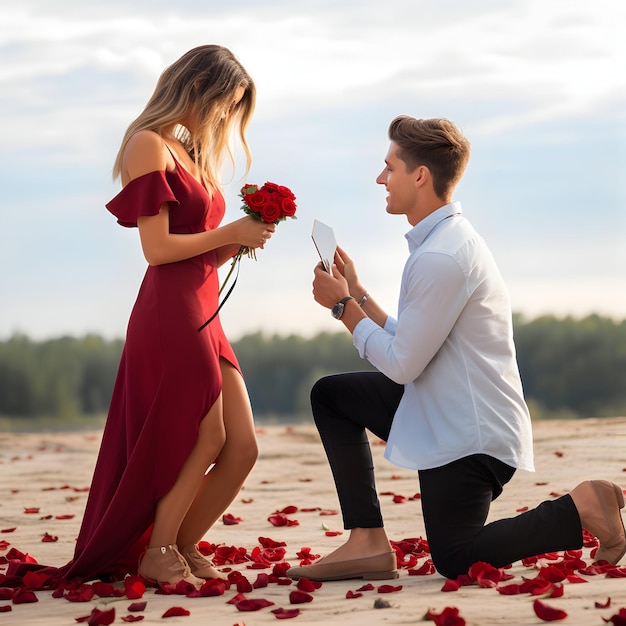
(421, 175)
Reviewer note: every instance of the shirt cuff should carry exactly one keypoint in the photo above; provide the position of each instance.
(365, 328)
(361, 332)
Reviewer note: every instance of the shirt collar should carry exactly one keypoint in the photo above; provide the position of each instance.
(418, 234)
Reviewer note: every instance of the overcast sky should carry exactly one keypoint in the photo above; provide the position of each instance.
(538, 86)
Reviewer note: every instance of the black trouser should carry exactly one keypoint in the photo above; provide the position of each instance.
(455, 497)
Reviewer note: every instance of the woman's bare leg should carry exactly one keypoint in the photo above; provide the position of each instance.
(236, 459)
(174, 505)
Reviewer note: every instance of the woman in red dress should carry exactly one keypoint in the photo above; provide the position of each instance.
(179, 401)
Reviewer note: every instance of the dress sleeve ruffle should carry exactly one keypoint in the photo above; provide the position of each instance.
(142, 196)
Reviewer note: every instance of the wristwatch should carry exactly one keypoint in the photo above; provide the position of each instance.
(337, 310)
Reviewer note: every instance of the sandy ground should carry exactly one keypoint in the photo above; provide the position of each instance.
(50, 472)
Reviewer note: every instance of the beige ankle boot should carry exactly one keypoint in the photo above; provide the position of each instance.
(165, 564)
(199, 564)
(599, 503)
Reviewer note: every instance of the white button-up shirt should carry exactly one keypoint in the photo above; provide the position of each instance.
(452, 349)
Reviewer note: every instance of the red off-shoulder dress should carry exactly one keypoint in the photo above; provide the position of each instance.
(168, 379)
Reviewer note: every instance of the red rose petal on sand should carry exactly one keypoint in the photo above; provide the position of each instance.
(278, 519)
(24, 596)
(485, 574)
(211, 588)
(557, 590)
(553, 573)
(84, 593)
(603, 605)
(176, 611)
(236, 598)
(389, 588)
(286, 613)
(137, 607)
(47, 538)
(262, 580)
(572, 578)
(243, 585)
(509, 590)
(398, 499)
(305, 553)
(536, 587)
(280, 569)
(351, 595)
(304, 584)
(106, 590)
(132, 618)
(289, 510)
(266, 542)
(99, 618)
(333, 533)
(228, 519)
(134, 588)
(8, 530)
(448, 617)
(548, 613)
(253, 605)
(31, 510)
(300, 597)
(6, 608)
(181, 588)
(451, 585)
(425, 569)
(366, 587)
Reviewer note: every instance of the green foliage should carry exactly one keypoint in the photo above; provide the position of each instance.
(64, 377)
(280, 371)
(570, 368)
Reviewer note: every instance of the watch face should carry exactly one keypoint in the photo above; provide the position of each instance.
(337, 310)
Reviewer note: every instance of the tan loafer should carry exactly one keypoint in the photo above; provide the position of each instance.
(379, 567)
(599, 503)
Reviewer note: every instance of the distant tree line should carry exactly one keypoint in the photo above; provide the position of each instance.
(570, 368)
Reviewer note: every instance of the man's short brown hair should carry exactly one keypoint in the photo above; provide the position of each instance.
(436, 143)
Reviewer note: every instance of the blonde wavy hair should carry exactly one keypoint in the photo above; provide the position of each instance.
(205, 81)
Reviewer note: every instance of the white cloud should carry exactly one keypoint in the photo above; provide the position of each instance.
(538, 86)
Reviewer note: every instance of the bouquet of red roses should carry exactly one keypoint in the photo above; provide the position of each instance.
(270, 203)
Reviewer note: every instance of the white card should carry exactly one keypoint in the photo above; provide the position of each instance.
(324, 240)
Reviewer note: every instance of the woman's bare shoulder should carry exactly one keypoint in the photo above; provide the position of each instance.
(144, 152)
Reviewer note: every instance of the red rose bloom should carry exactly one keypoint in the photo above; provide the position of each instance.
(257, 200)
(272, 187)
(288, 207)
(271, 212)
